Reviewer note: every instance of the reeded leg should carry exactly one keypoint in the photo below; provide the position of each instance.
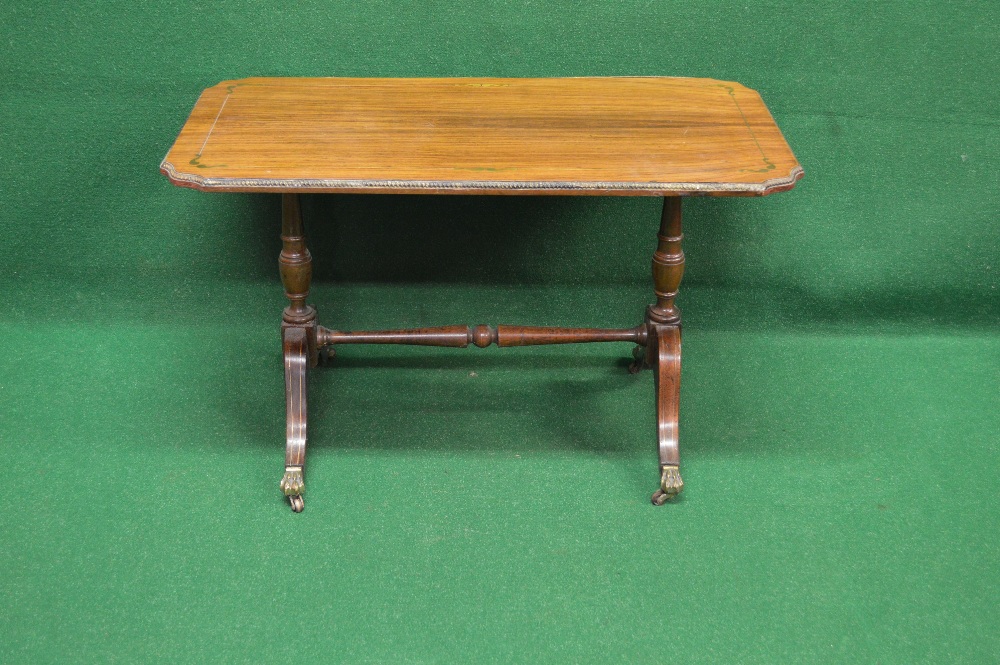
(298, 337)
(296, 352)
(663, 347)
(668, 389)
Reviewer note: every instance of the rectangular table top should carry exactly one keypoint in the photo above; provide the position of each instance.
(626, 136)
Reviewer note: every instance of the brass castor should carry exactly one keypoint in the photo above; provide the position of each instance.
(326, 355)
(292, 485)
(670, 484)
(638, 360)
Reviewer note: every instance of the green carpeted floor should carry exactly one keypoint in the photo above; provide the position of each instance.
(841, 386)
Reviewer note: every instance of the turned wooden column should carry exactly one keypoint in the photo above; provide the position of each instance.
(295, 262)
(668, 269)
(668, 265)
(295, 266)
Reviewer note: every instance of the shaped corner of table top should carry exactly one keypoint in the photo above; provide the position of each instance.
(590, 135)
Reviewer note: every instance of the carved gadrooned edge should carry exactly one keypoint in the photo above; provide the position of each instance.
(306, 184)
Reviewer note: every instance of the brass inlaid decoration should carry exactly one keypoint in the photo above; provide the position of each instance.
(770, 165)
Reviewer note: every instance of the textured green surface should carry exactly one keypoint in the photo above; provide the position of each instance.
(841, 380)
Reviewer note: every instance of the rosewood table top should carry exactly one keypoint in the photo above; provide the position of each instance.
(603, 136)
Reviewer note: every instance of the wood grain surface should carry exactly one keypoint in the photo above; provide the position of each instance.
(629, 136)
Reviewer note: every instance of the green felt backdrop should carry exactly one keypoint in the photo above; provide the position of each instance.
(841, 378)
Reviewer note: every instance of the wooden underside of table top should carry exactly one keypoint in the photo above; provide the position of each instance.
(603, 136)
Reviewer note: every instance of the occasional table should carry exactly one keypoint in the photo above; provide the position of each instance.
(630, 136)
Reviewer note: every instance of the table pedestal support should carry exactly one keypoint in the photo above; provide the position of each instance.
(658, 343)
(662, 350)
(298, 342)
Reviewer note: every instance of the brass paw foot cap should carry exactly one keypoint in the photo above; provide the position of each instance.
(292, 484)
(671, 484)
